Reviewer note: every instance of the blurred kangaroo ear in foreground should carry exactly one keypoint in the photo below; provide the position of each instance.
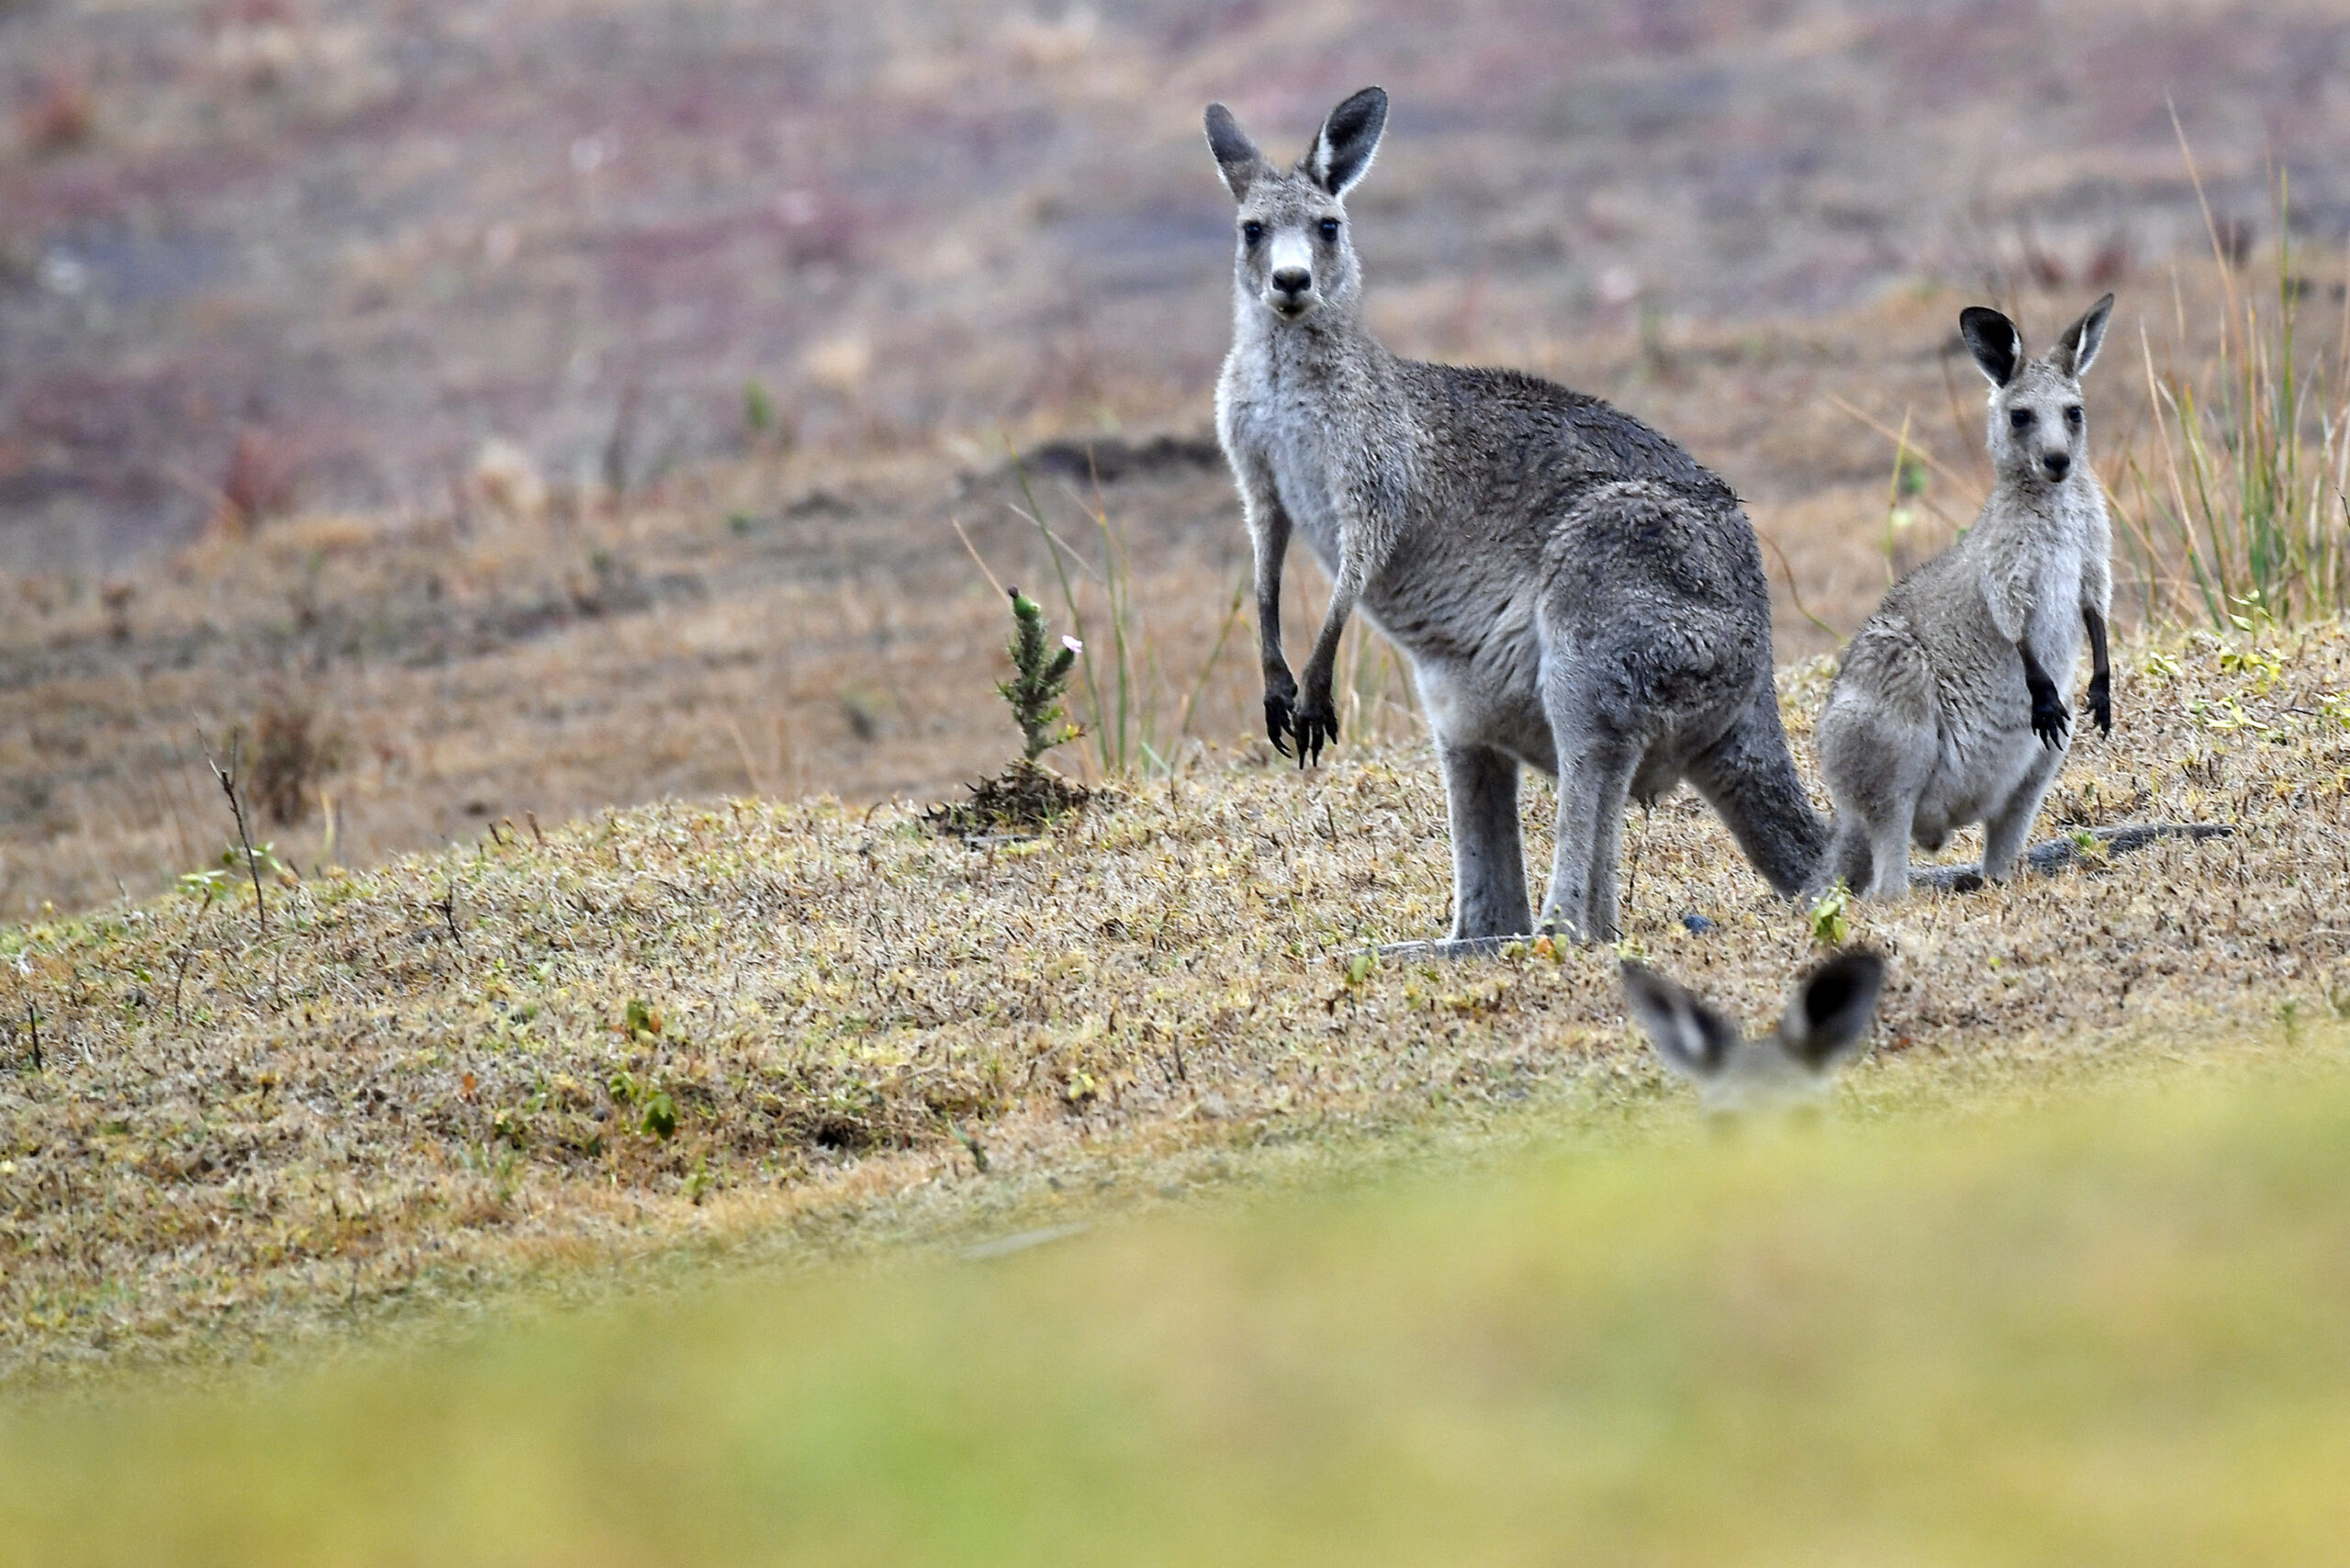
(1828, 1014)
(1694, 1040)
(1826, 1024)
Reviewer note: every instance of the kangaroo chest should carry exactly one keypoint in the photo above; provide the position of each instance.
(1306, 457)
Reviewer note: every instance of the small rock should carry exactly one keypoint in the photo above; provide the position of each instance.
(1697, 923)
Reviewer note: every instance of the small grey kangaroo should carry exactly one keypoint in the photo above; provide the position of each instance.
(1945, 708)
(1825, 1026)
(1571, 590)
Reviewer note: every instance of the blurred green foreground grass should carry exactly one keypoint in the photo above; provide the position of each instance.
(2113, 1332)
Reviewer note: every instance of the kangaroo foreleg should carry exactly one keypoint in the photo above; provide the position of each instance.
(1315, 723)
(1268, 534)
(2050, 717)
(2100, 672)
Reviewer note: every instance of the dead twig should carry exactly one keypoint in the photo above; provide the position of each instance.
(448, 908)
(228, 777)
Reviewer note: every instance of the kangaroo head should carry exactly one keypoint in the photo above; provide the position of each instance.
(2038, 431)
(1823, 1028)
(1294, 255)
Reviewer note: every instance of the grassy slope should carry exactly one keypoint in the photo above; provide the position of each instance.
(2108, 1333)
(418, 1082)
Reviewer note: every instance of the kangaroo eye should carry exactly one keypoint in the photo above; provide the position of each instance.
(1330, 228)
(1252, 231)
(2019, 419)
(2073, 415)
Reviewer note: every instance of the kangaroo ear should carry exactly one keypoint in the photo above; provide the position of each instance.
(1829, 1012)
(1998, 347)
(2076, 349)
(1342, 152)
(1237, 157)
(1694, 1040)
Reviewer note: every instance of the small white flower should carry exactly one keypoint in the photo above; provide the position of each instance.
(1072, 645)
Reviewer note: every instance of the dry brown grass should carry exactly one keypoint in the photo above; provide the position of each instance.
(797, 624)
(521, 1051)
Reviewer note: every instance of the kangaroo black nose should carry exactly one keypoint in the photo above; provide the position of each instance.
(1293, 280)
(2057, 463)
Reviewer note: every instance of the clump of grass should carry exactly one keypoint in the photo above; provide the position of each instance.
(292, 755)
(2242, 511)
(1120, 693)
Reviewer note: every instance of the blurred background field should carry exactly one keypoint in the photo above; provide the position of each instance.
(518, 409)
(2013, 1323)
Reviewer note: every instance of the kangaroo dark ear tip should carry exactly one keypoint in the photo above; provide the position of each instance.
(1860, 963)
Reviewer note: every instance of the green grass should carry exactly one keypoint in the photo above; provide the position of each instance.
(2108, 1332)
(2238, 513)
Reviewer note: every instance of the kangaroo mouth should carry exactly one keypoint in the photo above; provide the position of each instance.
(1290, 307)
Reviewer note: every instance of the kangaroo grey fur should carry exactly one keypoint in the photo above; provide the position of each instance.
(1571, 590)
(1825, 1025)
(1946, 710)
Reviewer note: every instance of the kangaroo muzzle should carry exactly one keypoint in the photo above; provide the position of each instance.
(1289, 275)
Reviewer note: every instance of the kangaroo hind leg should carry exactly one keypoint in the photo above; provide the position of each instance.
(1878, 766)
(2005, 829)
(1597, 762)
(1488, 854)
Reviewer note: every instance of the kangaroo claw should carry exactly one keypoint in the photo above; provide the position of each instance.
(1278, 720)
(2050, 720)
(1316, 726)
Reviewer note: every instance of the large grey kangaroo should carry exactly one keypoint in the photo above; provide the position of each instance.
(1571, 590)
(1946, 708)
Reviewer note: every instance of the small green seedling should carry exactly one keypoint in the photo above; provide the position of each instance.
(660, 1115)
(1040, 674)
(1831, 915)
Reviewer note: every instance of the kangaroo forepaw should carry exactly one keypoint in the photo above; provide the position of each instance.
(1280, 716)
(2049, 719)
(1314, 726)
(2102, 702)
